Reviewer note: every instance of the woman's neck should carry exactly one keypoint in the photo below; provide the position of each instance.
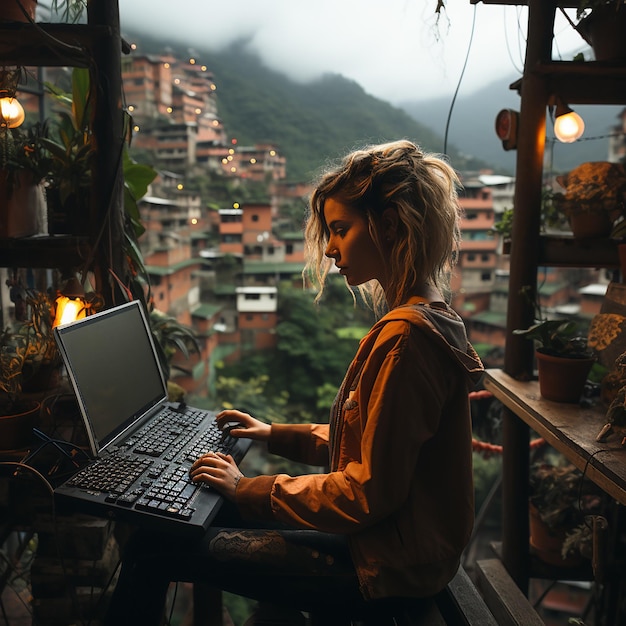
(423, 293)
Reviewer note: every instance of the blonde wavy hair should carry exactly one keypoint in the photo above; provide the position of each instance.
(421, 187)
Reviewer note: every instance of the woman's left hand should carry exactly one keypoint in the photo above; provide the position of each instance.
(219, 471)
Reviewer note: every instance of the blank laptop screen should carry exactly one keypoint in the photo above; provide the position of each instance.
(113, 367)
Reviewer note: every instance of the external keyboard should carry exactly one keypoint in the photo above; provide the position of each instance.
(150, 470)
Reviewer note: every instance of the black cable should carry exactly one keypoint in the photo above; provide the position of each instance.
(20, 465)
(584, 472)
(171, 615)
(544, 593)
(39, 475)
(57, 443)
(506, 41)
(456, 91)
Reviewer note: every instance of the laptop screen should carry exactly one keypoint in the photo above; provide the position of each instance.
(111, 361)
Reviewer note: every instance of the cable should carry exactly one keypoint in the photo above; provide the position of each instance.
(584, 472)
(171, 615)
(506, 40)
(456, 91)
(19, 464)
(57, 443)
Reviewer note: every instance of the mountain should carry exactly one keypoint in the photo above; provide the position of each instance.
(472, 126)
(310, 123)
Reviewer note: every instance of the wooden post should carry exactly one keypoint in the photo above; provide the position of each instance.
(523, 282)
(108, 129)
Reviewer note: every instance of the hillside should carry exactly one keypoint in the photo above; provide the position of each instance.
(310, 123)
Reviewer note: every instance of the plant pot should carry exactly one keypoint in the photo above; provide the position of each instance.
(562, 379)
(16, 424)
(22, 206)
(590, 224)
(546, 542)
(65, 219)
(10, 10)
(604, 30)
(46, 377)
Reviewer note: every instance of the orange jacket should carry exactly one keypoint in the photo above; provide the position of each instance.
(400, 455)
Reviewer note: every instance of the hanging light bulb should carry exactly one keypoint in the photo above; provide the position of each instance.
(11, 112)
(568, 125)
(72, 303)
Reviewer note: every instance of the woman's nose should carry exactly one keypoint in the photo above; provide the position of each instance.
(331, 252)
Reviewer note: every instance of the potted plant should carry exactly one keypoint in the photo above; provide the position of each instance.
(26, 348)
(559, 500)
(71, 151)
(24, 163)
(17, 10)
(601, 24)
(563, 358)
(593, 199)
(69, 11)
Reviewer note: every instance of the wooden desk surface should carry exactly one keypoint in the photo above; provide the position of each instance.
(569, 428)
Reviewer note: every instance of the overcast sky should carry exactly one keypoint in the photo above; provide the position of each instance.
(392, 48)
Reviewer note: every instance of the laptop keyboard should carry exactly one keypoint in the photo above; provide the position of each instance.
(114, 474)
(150, 470)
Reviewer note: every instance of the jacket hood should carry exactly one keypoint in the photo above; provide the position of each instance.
(447, 328)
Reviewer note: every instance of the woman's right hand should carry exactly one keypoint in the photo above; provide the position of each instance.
(241, 424)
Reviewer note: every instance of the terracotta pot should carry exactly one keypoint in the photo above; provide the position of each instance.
(562, 379)
(590, 225)
(546, 542)
(10, 10)
(604, 30)
(16, 429)
(22, 209)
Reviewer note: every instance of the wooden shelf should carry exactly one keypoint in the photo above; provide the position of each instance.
(588, 82)
(44, 251)
(569, 428)
(565, 251)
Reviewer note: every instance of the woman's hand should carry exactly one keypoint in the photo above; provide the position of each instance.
(244, 425)
(218, 471)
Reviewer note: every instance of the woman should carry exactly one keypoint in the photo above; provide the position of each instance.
(394, 512)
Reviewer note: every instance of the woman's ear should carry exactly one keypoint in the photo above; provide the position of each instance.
(389, 224)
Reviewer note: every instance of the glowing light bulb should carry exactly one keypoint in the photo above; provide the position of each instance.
(68, 310)
(12, 112)
(568, 127)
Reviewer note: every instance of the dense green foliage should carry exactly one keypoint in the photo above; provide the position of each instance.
(297, 380)
(310, 123)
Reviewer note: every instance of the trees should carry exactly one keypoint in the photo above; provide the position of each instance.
(310, 358)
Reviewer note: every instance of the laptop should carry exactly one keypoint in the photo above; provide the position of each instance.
(141, 446)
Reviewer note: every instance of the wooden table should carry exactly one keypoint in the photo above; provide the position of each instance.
(569, 428)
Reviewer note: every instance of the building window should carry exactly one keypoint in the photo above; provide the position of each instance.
(255, 217)
(485, 276)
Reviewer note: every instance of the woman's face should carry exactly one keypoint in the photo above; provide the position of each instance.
(351, 246)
